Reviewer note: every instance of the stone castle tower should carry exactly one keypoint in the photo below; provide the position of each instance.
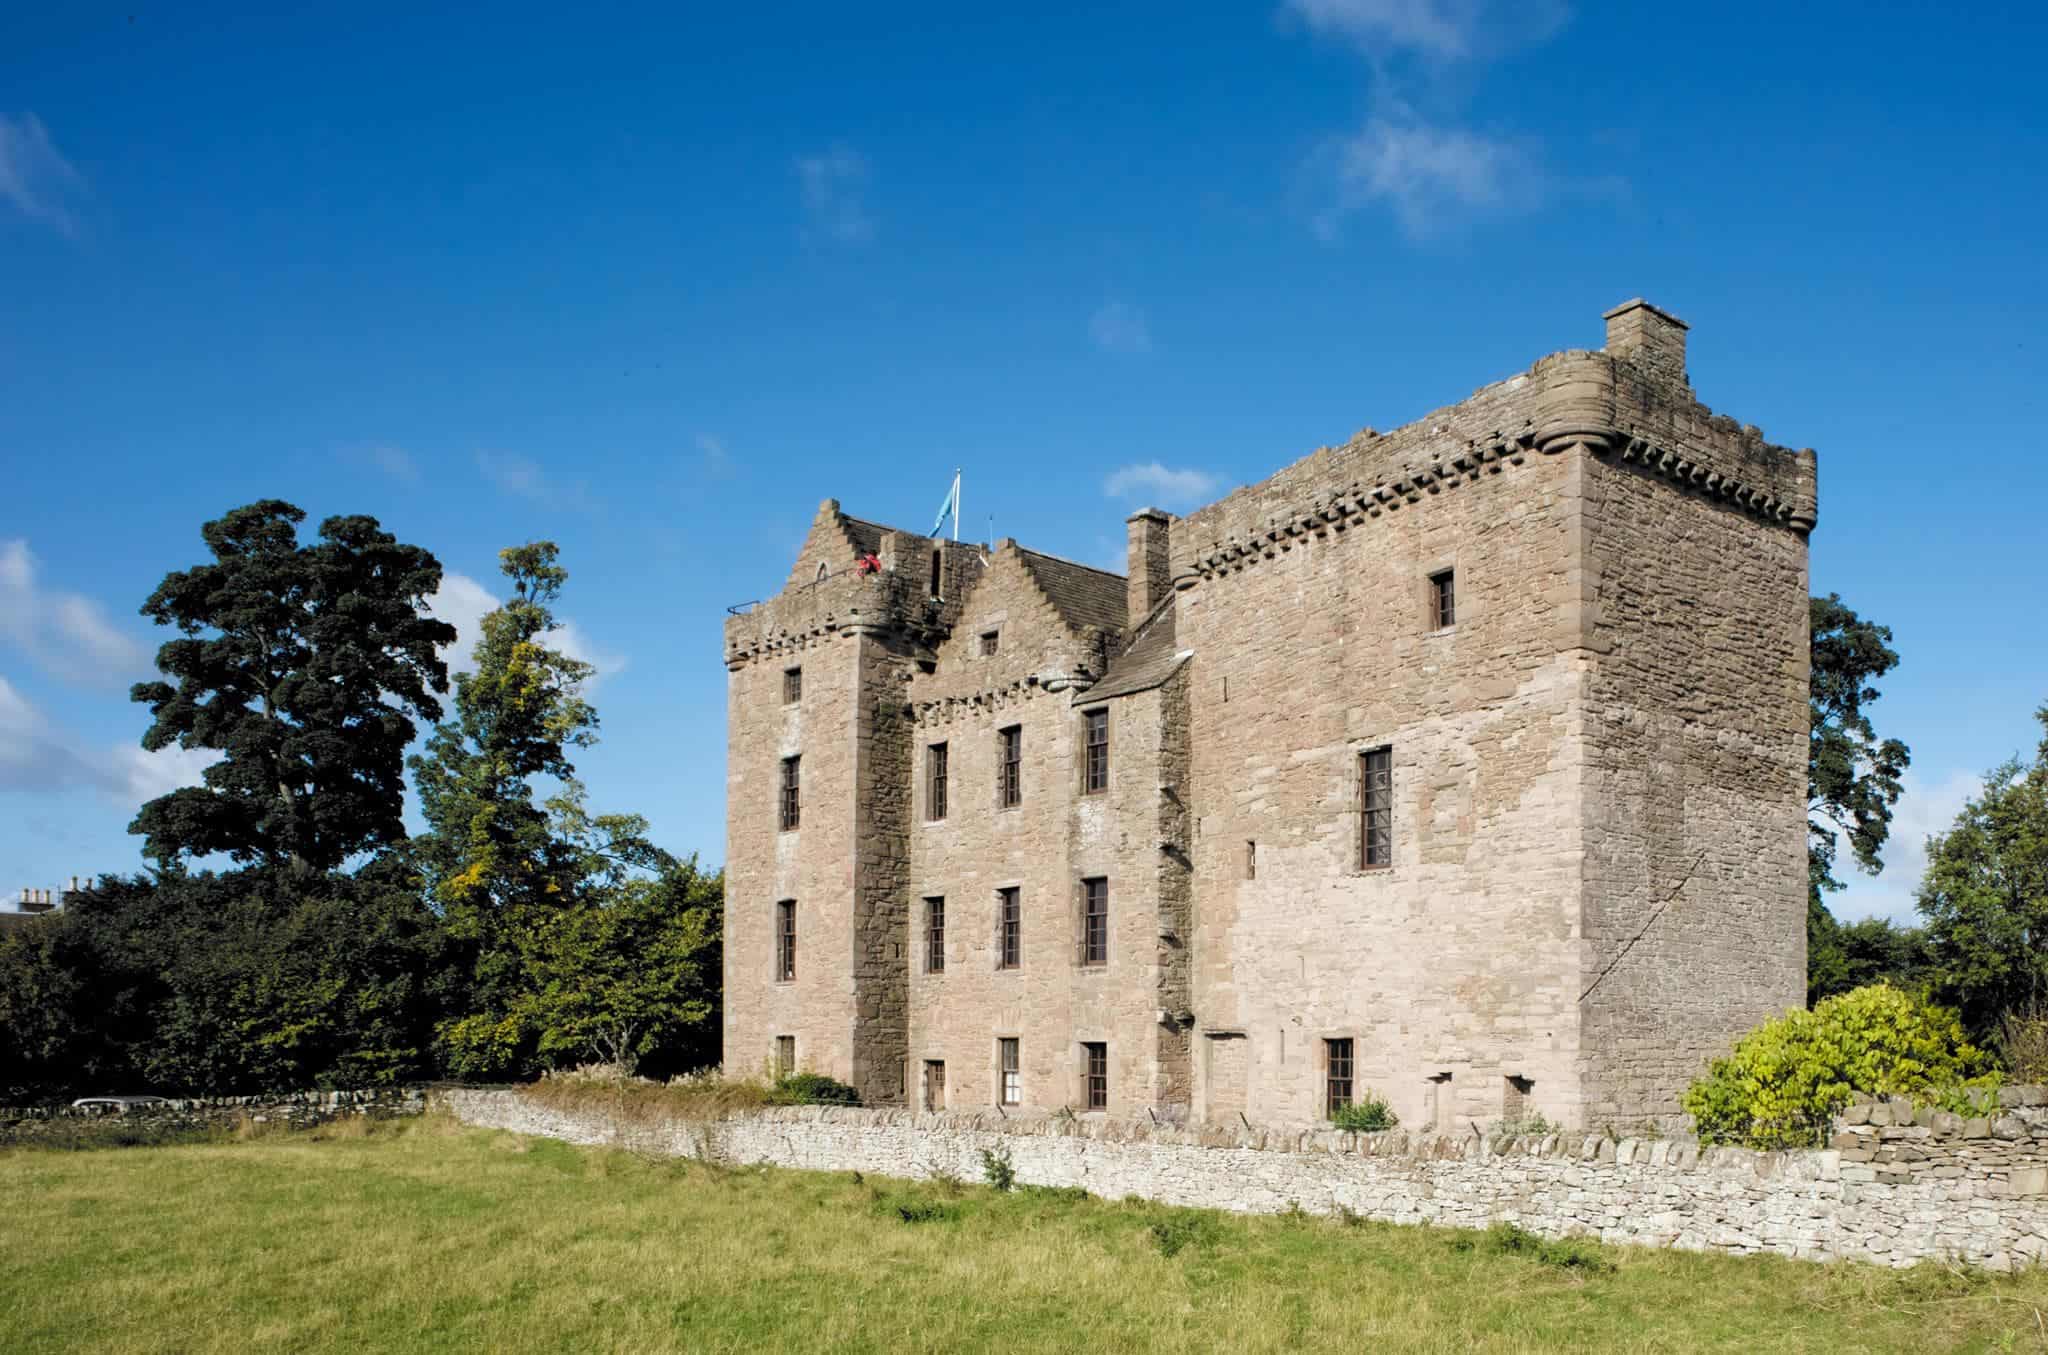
(1463, 764)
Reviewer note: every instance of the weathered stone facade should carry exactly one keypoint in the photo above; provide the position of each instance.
(1597, 778)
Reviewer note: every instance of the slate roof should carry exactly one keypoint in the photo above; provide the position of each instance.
(1083, 596)
(1150, 658)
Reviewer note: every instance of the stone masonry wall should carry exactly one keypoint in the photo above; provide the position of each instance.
(1978, 1192)
(298, 1110)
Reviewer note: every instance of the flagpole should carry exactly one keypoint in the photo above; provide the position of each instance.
(956, 503)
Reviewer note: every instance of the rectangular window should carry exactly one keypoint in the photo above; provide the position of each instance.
(1010, 767)
(1095, 1075)
(785, 940)
(1336, 1075)
(1009, 929)
(792, 801)
(1095, 922)
(1012, 1074)
(988, 643)
(935, 781)
(792, 686)
(1514, 1097)
(1443, 600)
(785, 1055)
(1376, 808)
(1098, 752)
(934, 1084)
(934, 936)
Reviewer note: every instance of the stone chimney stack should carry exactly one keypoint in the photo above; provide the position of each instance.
(1650, 340)
(1149, 576)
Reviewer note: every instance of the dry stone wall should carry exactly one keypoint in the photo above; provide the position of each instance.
(1952, 1189)
(298, 1110)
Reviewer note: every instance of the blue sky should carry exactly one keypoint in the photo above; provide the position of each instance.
(653, 283)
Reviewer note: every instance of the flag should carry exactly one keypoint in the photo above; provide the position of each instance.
(951, 505)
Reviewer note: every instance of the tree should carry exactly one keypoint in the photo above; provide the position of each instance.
(574, 936)
(1985, 895)
(304, 666)
(1852, 778)
(1787, 1077)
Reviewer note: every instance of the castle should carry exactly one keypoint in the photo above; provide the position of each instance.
(1462, 765)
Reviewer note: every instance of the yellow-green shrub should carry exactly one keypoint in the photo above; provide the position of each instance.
(1788, 1076)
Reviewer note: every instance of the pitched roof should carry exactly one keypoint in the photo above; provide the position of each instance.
(1150, 659)
(867, 536)
(1082, 595)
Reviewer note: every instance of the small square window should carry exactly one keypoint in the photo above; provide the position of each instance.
(988, 643)
(792, 686)
(1443, 600)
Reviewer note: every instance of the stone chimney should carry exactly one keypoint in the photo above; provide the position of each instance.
(1149, 576)
(1650, 340)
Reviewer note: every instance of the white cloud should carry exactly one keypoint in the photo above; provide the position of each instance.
(34, 179)
(1118, 327)
(38, 756)
(834, 188)
(461, 601)
(67, 634)
(1923, 811)
(524, 478)
(395, 462)
(717, 461)
(1430, 177)
(1161, 485)
(1442, 30)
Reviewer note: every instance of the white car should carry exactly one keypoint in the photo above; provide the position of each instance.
(118, 1105)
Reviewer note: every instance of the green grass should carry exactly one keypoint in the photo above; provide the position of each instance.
(428, 1237)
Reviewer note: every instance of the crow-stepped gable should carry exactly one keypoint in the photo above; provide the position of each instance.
(1462, 764)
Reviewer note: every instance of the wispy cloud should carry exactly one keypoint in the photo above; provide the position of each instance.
(1924, 809)
(1164, 486)
(834, 185)
(524, 478)
(64, 633)
(1442, 30)
(1119, 327)
(715, 459)
(394, 461)
(35, 179)
(1432, 178)
(461, 601)
(38, 756)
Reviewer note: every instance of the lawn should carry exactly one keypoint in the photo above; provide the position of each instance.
(431, 1237)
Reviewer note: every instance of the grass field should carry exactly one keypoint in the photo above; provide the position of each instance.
(431, 1237)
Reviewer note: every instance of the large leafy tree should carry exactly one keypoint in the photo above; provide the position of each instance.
(1852, 782)
(562, 923)
(304, 666)
(1985, 896)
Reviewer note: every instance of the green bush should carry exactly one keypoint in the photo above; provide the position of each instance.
(1510, 1239)
(997, 1169)
(811, 1089)
(1787, 1077)
(1369, 1114)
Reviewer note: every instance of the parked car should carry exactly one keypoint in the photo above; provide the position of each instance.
(117, 1105)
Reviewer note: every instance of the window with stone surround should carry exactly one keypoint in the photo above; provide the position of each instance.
(785, 1055)
(1094, 1075)
(1443, 600)
(792, 686)
(1336, 1076)
(1095, 921)
(785, 941)
(1376, 809)
(934, 1084)
(1009, 928)
(1010, 1089)
(1095, 777)
(988, 642)
(935, 781)
(935, 936)
(1010, 767)
(792, 800)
